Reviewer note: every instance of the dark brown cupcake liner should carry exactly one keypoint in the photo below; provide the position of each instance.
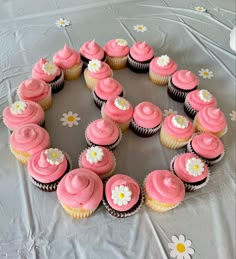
(58, 83)
(143, 132)
(188, 109)
(138, 67)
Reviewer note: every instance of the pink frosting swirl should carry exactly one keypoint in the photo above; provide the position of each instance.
(104, 72)
(185, 79)
(165, 187)
(167, 70)
(91, 50)
(80, 188)
(147, 115)
(125, 180)
(66, 58)
(141, 51)
(112, 49)
(30, 138)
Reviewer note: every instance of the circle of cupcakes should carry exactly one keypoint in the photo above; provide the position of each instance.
(191, 170)
(146, 119)
(163, 190)
(106, 88)
(208, 147)
(117, 51)
(96, 71)
(80, 193)
(161, 69)
(47, 167)
(196, 100)
(181, 83)
(123, 196)
(119, 110)
(98, 159)
(27, 140)
(69, 61)
(140, 56)
(176, 131)
(20, 113)
(37, 91)
(49, 73)
(103, 132)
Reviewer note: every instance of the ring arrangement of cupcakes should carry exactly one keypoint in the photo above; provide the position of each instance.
(80, 191)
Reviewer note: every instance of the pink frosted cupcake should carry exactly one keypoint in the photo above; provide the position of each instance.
(191, 170)
(163, 190)
(95, 72)
(69, 61)
(160, 70)
(117, 51)
(80, 193)
(140, 56)
(181, 83)
(47, 167)
(196, 100)
(123, 196)
(49, 73)
(21, 113)
(100, 160)
(103, 132)
(119, 110)
(176, 131)
(27, 140)
(146, 119)
(37, 91)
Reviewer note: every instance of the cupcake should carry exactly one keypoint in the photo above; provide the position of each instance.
(123, 196)
(119, 110)
(80, 193)
(180, 84)
(27, 140)
(208, 147)
(146, 119)
(37, 91)
(117, 51)
(100, 160)
(49, 73)
(176, 131)
(69, 61)
(161, 69)
(106, 88)
(103, 132)
(196, 100)
(95, 72)
(21, 113)
(212, 120)
(47, 167)
(191, 170)
(140, 56)
(163, 190)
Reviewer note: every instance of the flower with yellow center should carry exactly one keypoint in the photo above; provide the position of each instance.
(121, 195)
(140, 28)
(94, 65)
(122, 103)
(62, 22)
(180, 121)
(200, 9)
(194, 166)
(54, 156)
(94, 155)
(205, 95)
(205, 73)
(49, 68)
(70, 119)
(18, 107)
(121, 42)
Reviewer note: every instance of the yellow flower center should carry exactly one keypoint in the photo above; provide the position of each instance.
(195, 167)
(54, 155)
(94, 154)
(62, 22)
(206, 73)
(94, 64)
(121, 195)
(71, 118)
(180, 120)
(140, 28)
(180, 248)
(17, 106)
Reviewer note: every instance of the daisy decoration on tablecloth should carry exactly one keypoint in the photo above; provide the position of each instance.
(168, 112)
(233, 116)
(140, 28)
(205, 73)
(121, 195)
(200, 9)
(70, 119)
(62, 23)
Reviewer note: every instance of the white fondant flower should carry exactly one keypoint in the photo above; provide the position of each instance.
(62, 22)
(180, 248)
(54, 156)
(121, 103)
(163, 61)
(121, 195)
(168, 112)
(205, 95)
(18, 107)
(140, 28)
(94, 65)
(233, 116)
(94, 155)
(200, 9)
(49, 68)
(194, 166)
(180, 122)
(121, 42)
(205, 73)
(70, 119)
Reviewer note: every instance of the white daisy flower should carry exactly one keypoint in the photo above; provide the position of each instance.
(169, 112)
(233, 116)
(121, 42)
(180, 122)
(62, 22)
(54, 156)
(122, 103)
(180, 248)
(94, 155)
(194, 166)
(70, 119)
(140, 28)
(163, 61)
(94, 65)
(49, 68)
(205, 73)
(200, 9)
(18, 107)
(121, 195)
(205, 95)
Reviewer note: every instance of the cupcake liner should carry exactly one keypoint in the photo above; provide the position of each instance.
(175, 94)
(58, 83)
(73, 72)
(188, 109)
(138, 67)
(22, 157)
(78, 213)
(143, 132)
(46, 102)
(117, 63)
(158, 79)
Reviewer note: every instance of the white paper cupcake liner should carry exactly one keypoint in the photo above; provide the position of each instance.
(73, 72)
(137, 66)
(145, 132)
(58, 84)
(76, 214)
(158, 79)
(117, 62)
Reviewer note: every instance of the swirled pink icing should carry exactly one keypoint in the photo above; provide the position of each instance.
(66, 58)
(185, 79)
(80, 188)
(30, 138)
(167, 70)
(38, 73)
(125, 180)
(163, 186)
(147, 115)
(141, 51)
(104, 72)
(112, 49)
(102, 132)
(91, 50)
(32, 114)
(41, 170)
